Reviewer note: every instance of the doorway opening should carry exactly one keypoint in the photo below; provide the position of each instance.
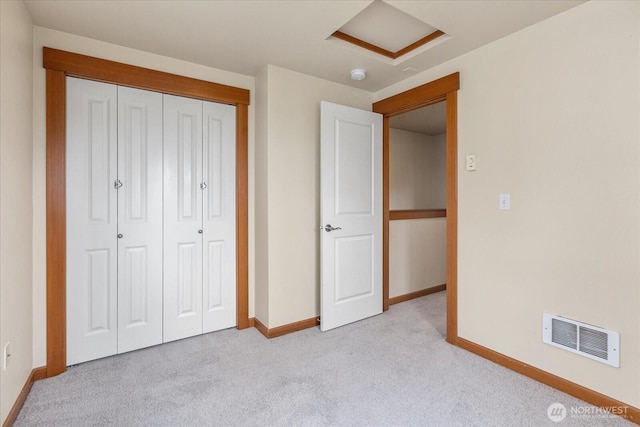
(417, 203)
(444, 91)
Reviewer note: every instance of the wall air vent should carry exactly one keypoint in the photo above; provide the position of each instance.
(586, 340)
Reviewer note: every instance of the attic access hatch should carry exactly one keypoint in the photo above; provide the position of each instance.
(387, 31)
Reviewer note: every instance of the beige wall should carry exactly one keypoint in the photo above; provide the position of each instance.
(16, 207)
(417, 255)
(64, 41)
(439, 153)
(262, 198)
(292, 172)
(417, 170)
(552, 114)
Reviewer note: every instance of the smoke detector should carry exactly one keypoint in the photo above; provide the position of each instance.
(358, 74)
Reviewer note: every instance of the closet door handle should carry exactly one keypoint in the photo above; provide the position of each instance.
(199, 231)
(120, 236)
(117, 184)
(203, 185)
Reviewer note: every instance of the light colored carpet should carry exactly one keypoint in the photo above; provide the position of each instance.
(390, 370)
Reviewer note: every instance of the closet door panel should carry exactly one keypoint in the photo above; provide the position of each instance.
(139, 219)
(182, 217)
(91, 163)
(219, 153)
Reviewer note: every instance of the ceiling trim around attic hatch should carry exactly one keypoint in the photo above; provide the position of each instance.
(381, 51)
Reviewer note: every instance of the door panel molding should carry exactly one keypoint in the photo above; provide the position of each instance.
(60, 64)
(443, 89)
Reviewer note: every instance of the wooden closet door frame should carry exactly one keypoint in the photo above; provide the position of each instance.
(60, 64)
(444, 89)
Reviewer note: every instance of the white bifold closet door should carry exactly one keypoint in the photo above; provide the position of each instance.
(114, 219)
(139, 219)
(199, 217)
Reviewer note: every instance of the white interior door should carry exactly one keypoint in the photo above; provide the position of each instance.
(182, 217)
(91, 162)
(351, 215)
(219, 216)
(139, 219)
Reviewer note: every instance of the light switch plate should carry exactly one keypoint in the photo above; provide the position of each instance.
(505, 202)
(5, 356)
(471, 162)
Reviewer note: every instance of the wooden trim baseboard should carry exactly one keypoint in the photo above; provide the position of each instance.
(417, 294)
(261, 327)
(39, 373)
(417, 214)
(35, 375)
(285, 329)
(590, 396)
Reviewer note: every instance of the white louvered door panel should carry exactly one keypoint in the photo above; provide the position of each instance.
(219, 216)
(139, 219)
(182, 217)
(91, 203)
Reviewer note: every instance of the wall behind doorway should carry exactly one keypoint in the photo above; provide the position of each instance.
(417, 247)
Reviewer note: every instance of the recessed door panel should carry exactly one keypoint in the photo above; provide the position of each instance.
(189, 141)
(135, 143)
(188, 283)
(183, 229)
(354, 257)
(215, 272)
(134, 307)
(139, 218)
(219, 219)
(91, 206)
(353, 168)
(97, 293)
(99, 160)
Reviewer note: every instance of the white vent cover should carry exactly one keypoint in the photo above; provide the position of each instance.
(585, 340)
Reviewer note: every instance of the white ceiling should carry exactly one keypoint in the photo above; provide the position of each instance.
(244, 36)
